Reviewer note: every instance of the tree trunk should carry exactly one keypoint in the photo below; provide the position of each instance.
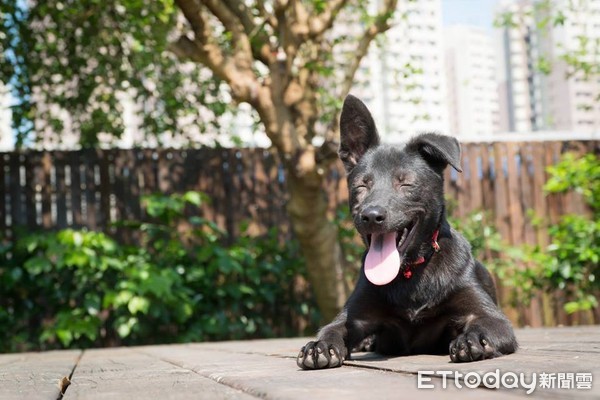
(318, 238)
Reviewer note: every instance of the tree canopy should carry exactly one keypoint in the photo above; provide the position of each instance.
(70, 65)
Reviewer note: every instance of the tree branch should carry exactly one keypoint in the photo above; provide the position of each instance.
(242, 52)
(258, 38)
(186, 49)
(299, 27)
(241, 11)
(324, 21)
(236, 71)
(200, 49)
(269, 18)
(193, 14)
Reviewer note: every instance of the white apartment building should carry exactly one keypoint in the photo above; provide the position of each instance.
(556, 100)
(473, 100)
(519, 48)
(402, 79)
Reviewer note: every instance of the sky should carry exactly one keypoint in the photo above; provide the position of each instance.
(478, 13)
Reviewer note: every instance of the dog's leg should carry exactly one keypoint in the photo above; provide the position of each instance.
(486, 332)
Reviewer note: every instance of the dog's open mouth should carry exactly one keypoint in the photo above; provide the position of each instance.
(386, 253)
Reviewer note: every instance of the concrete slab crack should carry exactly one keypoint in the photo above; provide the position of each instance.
(65, 381)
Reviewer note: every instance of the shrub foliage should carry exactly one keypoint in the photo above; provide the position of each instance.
(81, 289)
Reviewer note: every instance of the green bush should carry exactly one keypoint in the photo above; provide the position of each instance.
(82, 289)
(572, 260)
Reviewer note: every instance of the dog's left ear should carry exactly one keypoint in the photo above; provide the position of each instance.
(438, 149)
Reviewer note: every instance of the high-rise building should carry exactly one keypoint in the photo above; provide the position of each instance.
(473, 100)
(521, 83)
(402, 78)
(542, 91)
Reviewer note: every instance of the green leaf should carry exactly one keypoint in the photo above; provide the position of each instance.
(123, 297)
(194, 198)
(245, 289)
(138, 304)
(76, 258)
(125, 327)
(77, 239)
(65, 336)
(38, 265)
(92, 303)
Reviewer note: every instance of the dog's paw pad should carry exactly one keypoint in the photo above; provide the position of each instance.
(335, 358)
(318, 355)
(471, 346)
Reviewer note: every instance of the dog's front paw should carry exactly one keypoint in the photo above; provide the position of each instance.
(318, 355)
(470, 346)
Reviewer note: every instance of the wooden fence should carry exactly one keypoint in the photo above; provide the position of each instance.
(95, 188)
(507, 179)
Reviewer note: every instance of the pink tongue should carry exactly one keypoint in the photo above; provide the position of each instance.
(383, 260)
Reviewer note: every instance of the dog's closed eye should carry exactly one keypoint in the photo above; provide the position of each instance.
(402, 182)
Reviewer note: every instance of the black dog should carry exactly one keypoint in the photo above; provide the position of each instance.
(420, 291)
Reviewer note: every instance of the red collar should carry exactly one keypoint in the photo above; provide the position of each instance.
(421, 259)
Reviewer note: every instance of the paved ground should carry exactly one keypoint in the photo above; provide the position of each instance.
(562, 361)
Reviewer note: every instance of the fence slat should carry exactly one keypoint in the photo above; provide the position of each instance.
(60, 190)
(501, 188)
(515, 208)
(475, 189)
(30, 163)
(74, 161)
(93, 218)
(540, 200)
(119, 181)
(16, 200)
(146, 166)
(3, 195)
(487, 181)
(133, 189)
(464, 179)
(526, 192)
(104, 181)
(46, 191)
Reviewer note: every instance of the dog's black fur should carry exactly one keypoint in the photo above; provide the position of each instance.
(448, 303)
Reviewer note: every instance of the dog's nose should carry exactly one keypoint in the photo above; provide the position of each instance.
(373, 215)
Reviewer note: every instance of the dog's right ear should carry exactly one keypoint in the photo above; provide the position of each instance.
(357, 132)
